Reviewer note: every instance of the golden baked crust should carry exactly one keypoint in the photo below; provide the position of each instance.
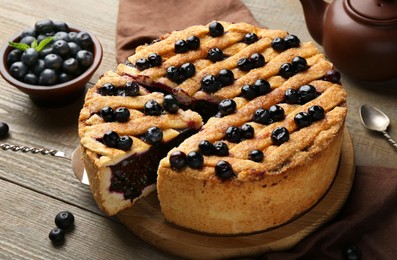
(259, 194)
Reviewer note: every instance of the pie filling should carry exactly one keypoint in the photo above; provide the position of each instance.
(131, 180)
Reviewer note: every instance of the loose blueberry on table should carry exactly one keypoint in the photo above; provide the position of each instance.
(57, 235)
(64, 220)
(3, 130)
(50, 54)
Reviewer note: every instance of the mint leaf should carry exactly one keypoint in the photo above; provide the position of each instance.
(19, 46)
(43, 43)
(34, 44)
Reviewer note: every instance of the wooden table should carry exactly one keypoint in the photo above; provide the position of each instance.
(34, 188)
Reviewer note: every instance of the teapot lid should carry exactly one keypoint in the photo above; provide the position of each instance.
(378, 10)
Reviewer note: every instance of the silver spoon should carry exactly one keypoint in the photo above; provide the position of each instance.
(376, 120)
(77, 164)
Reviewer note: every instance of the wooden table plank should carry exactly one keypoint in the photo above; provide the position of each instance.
(29, 216)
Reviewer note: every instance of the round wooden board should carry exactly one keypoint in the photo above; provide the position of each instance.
(146, 221)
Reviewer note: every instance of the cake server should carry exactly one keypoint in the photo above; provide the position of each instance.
(77, 165)
(376, 120)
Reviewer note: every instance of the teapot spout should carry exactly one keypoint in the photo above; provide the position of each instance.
(314, 11)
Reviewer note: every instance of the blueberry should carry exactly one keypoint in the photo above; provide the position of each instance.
(262, 116)
(13, 56)
(72, 36)
(18, 70)
(61, 26)
(64, 77)
(178, 160)
(181, 46)
(316, 113)
(61, 47)
(107, 114)
(279, 44)
(171, 104)
(250, 38)
(188, 70)
(154, 59)
(244, 64)
(210, 84)
(110, 139)
(287, 70)
(64, 220)
(206, 147)
(62, 35)
(257, 60)
(256, 155)
(38, 67)
(248, 92)
(3, 130)
(226, 77)
(45, 51)
(74, 48)
(53, 61)
(233, 134)
(57, 235)
(193, 42)
(224, 170)
(83, 39)
(261, 86)
(154, 135)
(292, 41)
(48, 77)
(280, 135)
(122, 114)
(44, 26)
(351, 252)
(299, 63)
(31, 78)
(276, 113)
(302, 119)
(27, 40)
(216, 29)
(131, 88)
(215, 55)
(70, 66)
(108, 89)
(152, 108)
(124, 143)
(307, 93)
(221, 149)
(30, 57)
(85, 58)
(292, 96)
(333, 76)
(195, 160)
(227, 107)
(175, 74)
(30, 31)
(247, 131)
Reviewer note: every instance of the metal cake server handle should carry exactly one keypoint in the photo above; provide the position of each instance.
(77, 164)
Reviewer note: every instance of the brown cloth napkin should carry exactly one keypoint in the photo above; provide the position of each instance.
(369, 218)
(142, 21)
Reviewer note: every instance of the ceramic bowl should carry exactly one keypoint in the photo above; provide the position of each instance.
(58, 94)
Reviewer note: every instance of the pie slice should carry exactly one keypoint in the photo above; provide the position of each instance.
(125, 131)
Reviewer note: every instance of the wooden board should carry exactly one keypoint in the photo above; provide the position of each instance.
(146, 221)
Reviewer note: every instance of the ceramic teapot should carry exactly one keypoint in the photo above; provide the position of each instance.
(358, 36)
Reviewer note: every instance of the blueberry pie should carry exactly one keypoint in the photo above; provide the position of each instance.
(273, 112)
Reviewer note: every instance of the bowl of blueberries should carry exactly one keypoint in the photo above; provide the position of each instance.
(51, 62)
